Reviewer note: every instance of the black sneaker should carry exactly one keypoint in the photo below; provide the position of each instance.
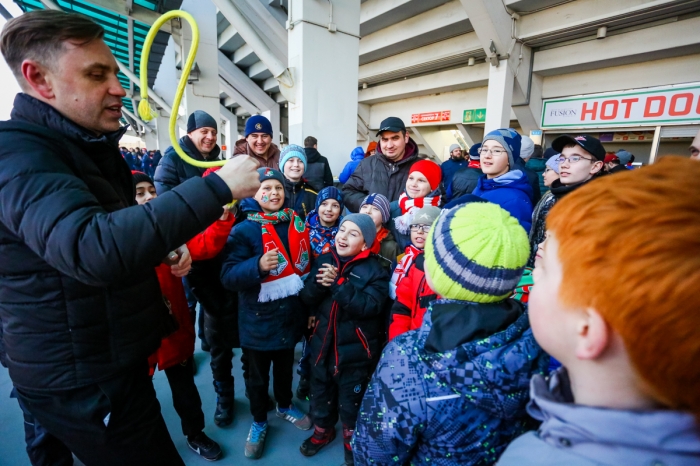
(318, 440)
(204, 446)
(303, 388)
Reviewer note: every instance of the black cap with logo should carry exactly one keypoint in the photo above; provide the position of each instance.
(393, 124)
(589, 143)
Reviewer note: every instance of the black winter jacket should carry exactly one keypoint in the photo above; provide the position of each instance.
(350, 320)
(173, 171)
(317, 172)
(268, 326)
(464, 182)
(79, 298)
(377, 174)
(299, 197)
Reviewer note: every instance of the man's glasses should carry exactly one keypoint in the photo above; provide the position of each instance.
(420, 228)
(572, 159)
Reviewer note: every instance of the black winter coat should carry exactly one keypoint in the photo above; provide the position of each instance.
(173, 171)
(269, 326)
(350, 320)
(79, 298)
(317, 172)
(464, 182)
(299, 197)
(377, 174)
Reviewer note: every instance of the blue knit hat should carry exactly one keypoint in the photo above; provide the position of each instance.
(366, 226)
(476, 253)
(266, 173)
(474, 151)
(200, 119)
(510, 140)
(258, 124)
(330, 192)
(290, 151)
(380, 202)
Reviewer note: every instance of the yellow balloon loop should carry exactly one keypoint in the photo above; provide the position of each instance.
(145, 110)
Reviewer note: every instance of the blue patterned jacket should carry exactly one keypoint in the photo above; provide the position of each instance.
(452, 392)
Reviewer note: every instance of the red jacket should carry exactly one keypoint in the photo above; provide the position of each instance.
(179, 346)
(412, 298)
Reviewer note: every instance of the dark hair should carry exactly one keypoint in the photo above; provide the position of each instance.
(310, 141)
(39, 35)
(538, 152)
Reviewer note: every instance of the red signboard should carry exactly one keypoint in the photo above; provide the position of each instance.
(431, 117)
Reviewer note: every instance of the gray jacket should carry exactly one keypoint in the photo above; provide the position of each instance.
(577, 435)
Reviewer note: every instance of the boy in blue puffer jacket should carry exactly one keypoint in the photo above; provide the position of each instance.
(454, 391)
(502, 182)
(265, 257)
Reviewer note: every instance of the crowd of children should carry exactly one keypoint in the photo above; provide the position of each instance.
(430, 337)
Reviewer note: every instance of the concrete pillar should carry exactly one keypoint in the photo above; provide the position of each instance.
(151, 140)
(202, 94)
(499, 97)
(325, 68)
(162, 128)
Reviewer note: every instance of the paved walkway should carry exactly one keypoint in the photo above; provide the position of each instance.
(283, 440)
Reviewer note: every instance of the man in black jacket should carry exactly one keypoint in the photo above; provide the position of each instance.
(386, 172)
(78, 360)
(318, 172)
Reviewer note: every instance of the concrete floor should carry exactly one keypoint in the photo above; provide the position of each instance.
(283, 439)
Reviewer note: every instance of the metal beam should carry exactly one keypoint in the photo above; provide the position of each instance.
(122, 7)
(237, 96)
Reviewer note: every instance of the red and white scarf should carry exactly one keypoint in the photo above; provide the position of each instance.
(409, 206)
(402, 268)
(284, 280)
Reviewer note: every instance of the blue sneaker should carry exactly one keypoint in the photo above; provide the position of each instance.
(255, 443)
(295, 416)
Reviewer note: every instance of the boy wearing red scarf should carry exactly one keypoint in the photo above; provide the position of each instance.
(422, 190)
(265, 257)
(408, 285)
(175, 353)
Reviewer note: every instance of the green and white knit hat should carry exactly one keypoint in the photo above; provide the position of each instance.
(476, 252)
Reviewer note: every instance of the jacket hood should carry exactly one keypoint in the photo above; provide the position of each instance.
(410, 154)
(357, 154)
(515, 179)
(536, 165)
(629, 437)
(493, 357)
(312, 155)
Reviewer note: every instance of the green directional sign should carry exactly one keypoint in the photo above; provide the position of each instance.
(474, 115)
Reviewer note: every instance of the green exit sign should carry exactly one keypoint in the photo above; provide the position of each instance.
(475, 115)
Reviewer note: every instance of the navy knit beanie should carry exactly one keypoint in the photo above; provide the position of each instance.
(330, 192)
(258, 124)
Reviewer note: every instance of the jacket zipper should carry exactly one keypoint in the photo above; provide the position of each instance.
(364, 341)
(418, 296)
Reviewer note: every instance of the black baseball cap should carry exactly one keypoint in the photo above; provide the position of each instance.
(589, 143)
(393, 124)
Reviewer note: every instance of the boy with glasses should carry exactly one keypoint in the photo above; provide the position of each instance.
(581, 159)
(408, 286)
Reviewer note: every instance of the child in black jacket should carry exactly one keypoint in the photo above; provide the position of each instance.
(349, 287)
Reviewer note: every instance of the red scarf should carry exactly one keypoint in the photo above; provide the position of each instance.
(408, 207)
(402, 268)
(285, 280)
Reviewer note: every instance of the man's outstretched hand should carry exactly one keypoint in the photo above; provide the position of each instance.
(240, 175)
